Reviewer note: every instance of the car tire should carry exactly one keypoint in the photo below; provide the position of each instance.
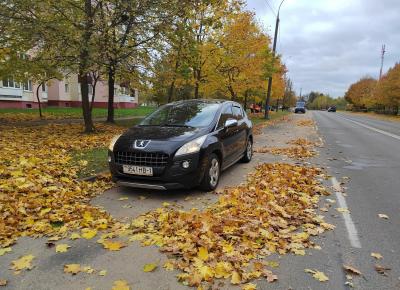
(212, 174)
(248, 154)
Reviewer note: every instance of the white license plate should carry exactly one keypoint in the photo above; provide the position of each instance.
(137, 170)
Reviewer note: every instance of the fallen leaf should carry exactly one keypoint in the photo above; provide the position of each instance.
(318, 275)
(5, 250)
(113, 246)
(381, 269)
(89, 233)
(142, 197)
(203, 254)
(72, 268)
(120, 285)
(75, 236)
(168, 265)
(3, 282)
(376, 256)
(249, 286)
(123, 198)
(87, 269)
(343, 210)
(352, 270)
(166, 204)
(62, 248)
(149, 267)
(236, 279)
(102, 272)
(383, 216)
(23, 263)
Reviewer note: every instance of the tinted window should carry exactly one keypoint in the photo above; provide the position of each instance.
(226, 113)
(237, 112)
(193, 114)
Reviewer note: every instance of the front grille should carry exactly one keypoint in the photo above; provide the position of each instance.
(141, 158)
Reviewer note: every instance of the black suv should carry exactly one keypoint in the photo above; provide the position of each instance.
(182, 145)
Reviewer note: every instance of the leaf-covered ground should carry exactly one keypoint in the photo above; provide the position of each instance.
(40, 193)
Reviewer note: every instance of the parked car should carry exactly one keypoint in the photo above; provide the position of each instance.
(300, 107)
(332, 109)
(182, 145)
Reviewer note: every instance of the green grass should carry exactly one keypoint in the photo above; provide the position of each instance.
(70, 113)
(258, 119)
(96, 161)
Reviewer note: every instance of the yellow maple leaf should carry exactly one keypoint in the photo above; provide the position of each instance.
(62, 248)
(123, 198)
(343, 210)
(318, 275)
(87, 269)
(376, 256)
(113, 246)
(5, 250)
(23, 263)
(203, 254)
(249, 286)
(120, 285)
(223, 270)
(75, 236)
(149, 267)
(206, 273)
(103, 272)
(88, 233)
(236, 279)
(72, 268)
(169, 266)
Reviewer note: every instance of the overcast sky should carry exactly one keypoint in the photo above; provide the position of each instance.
(329, 44)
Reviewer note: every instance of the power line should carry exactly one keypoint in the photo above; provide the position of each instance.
(270, 7)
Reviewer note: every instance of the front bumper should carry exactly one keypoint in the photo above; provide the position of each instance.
(171, 176)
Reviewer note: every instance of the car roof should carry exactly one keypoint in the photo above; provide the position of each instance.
(211, 101)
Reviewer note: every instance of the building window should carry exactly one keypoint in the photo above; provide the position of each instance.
(66, 87)
(27, 85)
(90, 88)
(10, 83)
(44, 88)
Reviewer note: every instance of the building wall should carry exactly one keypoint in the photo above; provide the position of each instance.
(20, 97)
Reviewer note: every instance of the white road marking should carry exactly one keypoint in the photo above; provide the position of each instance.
(374, 129)
(350, 227)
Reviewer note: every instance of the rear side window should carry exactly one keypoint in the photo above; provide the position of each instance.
(226, 113)
(237, 112)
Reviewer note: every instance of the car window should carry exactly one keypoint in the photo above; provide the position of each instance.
(196, 114)
(226, 113)
(237, 112)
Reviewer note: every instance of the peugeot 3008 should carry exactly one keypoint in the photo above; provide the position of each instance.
(182, 145)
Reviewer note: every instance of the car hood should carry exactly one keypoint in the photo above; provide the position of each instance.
(162, 133)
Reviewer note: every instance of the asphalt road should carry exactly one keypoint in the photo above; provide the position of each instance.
(366, 150)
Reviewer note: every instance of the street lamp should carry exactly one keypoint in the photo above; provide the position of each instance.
(267, 101)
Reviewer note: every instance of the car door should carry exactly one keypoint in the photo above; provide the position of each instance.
(241, 133)
(227, 136)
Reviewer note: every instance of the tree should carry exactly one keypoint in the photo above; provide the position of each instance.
(361, 92)
(387, 92)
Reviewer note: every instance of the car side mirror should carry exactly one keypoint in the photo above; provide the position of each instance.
(230, 123)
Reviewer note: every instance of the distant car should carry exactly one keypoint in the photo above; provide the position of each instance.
(300, 108)
(182, 145)
(332, 109)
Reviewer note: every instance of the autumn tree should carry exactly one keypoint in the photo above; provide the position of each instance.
(361, 92)
(387, 93)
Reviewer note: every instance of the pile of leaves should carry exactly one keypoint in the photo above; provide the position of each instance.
(295, 152)
(40, 193)
(273, 212)
(9, 118)
(305, 123)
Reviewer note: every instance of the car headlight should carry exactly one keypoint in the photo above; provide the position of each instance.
(192, 146)
(112, 143)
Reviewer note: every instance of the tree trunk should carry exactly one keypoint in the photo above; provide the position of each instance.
(246, 94)
(87, 114)
(171, 91)
(93, 94)
(196, 90)
(233, 95)
(38, 99)
(111, 84)
(277, 105)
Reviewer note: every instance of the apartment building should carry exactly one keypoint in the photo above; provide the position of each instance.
(61, 93)
(15, 94)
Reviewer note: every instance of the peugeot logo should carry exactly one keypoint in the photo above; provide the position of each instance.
(141, 144)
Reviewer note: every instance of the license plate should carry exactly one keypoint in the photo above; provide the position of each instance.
(137, 170)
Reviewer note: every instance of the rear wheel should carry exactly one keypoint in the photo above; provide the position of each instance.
(212, 174)
(248, 154)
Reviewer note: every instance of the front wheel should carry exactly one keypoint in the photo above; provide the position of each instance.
(212, 174)
(248, 154)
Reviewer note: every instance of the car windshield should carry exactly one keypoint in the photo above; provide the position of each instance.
(194, 114)
(300, 104)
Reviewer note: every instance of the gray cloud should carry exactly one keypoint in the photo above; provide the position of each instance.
(329, 44)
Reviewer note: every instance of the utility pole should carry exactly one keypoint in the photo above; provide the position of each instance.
(382, 58)
(267, 101)
(301, 90)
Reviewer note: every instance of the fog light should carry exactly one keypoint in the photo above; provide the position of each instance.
(109, 158)
(185, 164)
